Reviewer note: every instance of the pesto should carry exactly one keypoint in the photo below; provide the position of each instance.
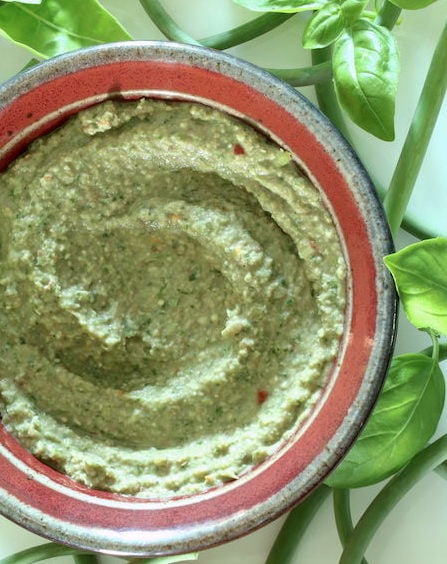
(172, 297)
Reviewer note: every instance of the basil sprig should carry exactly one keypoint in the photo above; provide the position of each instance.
(365, 59)
(365, 65)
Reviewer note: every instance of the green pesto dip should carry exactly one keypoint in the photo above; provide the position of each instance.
(171, 297)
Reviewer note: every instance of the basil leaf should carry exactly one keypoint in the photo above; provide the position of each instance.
(25, 1)
(328, 23)
(365, 66)
(57, 26)
(403, 421)
(324, 27)
(412, 4)
(420, 274)
(280, 5)
(352, 9)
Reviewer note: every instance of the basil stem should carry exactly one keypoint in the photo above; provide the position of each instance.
(442, 351)
(326, 97)
(305, 76)
(166, 559)
(441, 355)
(245, 32)
(411, 222)
(418, 137)
(165, 23)
(85, 559)
(41, 552)
(318, 74)
(414, 225)
(388, 15)
(342, 514)
(442, 470)
(294, 527)
(225, 40)
(31, 63)
(52, 550)
(435, 347)
(362, 534)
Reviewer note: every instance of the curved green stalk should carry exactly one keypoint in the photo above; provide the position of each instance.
(246, 32)
(426, 460)
(85, 559)
(236, 36)
(326, 97)
(388, 15)
(294, 527)
(435, 352)
(165, 23)
(442, 355)
(342, 514)
(318, 74)
(53, 550)
(418, 137)
(315, 74)
(442, 470)
(411, 222)
(31, 63)
(442, 351)
(166, 559)
(415, 226)
(41, 552)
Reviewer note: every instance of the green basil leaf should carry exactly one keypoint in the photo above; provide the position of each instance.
(25, 1)
(412, 4)
(324, 27)
(280, 5)
(57, 26)
(365, 66)
(352, 9)
(403, 421)
(420, 274)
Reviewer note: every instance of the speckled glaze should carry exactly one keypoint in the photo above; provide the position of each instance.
(54, 506)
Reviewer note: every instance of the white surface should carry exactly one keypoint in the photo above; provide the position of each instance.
(414, 533)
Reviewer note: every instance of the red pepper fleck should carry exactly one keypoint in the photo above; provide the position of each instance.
(238, 149)
(261, 396)
(313, 245)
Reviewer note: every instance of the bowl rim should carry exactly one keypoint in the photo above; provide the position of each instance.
(152, 541)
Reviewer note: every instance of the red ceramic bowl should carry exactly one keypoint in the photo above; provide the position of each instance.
(49, 503)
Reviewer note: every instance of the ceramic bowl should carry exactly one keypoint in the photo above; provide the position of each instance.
(52, 505)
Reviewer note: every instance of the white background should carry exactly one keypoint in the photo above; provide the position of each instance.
(414, 532)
